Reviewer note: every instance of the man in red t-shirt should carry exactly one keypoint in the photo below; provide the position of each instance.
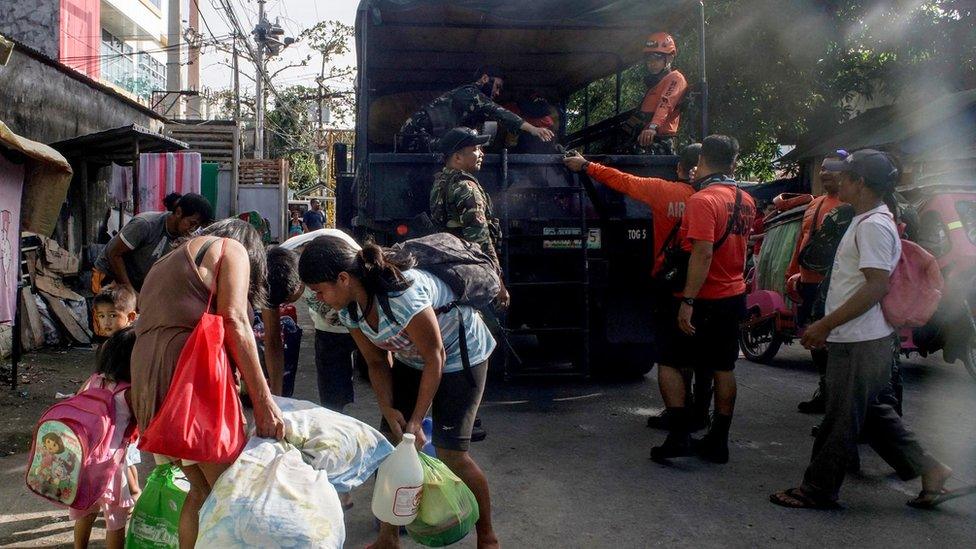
(667, 202)
(809, 281)
(715, 230)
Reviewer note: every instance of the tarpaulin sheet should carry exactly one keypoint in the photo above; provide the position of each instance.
(775, 254)
(556, 46)
(47, 178)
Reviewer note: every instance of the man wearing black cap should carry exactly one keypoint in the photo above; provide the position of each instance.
(458, 203)
(859, 341)
(469, 106)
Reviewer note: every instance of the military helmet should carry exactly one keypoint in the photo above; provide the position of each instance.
(660, 42)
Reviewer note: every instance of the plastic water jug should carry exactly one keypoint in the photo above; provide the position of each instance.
(399, 484)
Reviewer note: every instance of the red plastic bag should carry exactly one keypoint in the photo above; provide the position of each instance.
(200, 418)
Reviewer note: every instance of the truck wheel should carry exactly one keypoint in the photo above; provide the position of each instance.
(760, 342)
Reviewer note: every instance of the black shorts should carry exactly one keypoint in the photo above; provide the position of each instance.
(669, 344)
(715, 345)
(455, 402)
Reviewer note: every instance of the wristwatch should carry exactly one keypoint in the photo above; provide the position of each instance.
(689, 301)
(652, 127)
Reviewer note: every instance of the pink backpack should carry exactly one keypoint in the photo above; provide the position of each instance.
(71, 460)
(914, 289)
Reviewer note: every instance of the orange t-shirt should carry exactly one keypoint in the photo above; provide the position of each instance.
(829, 203)
(706, 218)
(665, 198)
(663, 100)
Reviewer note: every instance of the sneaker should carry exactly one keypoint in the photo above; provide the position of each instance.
(710, 448)
(676, 445)
(816, 405)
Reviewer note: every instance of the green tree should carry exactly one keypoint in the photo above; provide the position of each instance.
(781, 71)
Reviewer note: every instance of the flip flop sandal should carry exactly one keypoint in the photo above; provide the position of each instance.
(795, 498)
(930, 499)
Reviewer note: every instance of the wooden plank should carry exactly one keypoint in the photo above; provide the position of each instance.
(67, 320)
(32, 329)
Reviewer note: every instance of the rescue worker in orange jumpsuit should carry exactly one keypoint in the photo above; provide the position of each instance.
(667, 202)
(660, 112)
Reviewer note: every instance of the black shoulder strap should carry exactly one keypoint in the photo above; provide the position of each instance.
(203, 251)
(732, 216)
(672, 236)
(816, 214)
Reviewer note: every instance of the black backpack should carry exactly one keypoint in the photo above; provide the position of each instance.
(464, 267)
(818, 254)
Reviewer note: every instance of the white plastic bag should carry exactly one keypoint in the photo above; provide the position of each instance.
(348, 450)
(271, 498)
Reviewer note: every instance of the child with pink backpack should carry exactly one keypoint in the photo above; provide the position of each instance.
(79, 446)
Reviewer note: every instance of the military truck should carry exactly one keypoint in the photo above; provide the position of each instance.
(576, 256)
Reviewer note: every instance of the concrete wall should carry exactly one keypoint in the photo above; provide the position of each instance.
(33, 22)
(43, 103)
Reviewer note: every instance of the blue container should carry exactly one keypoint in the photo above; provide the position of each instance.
(429, 435)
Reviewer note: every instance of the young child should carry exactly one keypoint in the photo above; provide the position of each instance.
(112, 367)
(115, 308)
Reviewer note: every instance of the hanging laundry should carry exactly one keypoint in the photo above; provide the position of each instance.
(164, 173)
(120, 183)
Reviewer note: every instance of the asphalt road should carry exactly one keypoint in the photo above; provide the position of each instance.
(568, 467)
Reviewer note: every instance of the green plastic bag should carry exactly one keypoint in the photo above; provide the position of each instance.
(448, 510)
(155, 522)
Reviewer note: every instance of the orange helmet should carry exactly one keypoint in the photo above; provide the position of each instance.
(660, 42)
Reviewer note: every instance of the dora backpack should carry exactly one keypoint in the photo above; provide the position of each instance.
(71, 460)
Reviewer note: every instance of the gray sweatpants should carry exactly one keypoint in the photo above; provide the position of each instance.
(857, 373)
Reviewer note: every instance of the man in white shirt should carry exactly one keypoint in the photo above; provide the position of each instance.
(333, 344)
(859, 345)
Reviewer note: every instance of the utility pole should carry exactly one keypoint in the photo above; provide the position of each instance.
(237, 87)
(260, 37)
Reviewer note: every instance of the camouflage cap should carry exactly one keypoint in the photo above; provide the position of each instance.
(459, 138)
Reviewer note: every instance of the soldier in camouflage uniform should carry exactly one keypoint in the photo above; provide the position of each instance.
(458, 203)
(470, 106)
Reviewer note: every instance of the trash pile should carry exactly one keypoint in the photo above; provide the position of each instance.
(51, 313)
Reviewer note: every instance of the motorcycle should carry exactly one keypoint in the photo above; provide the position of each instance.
(946, 228)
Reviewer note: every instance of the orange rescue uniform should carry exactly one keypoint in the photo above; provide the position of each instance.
(666, 199)
(663, 100)
(825, 204)
(707, 219)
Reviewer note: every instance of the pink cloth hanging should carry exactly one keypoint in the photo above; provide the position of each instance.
(120, 183)
(11, 190)
(163, 173)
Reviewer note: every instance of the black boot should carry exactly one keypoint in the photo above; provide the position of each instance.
(678, 443)
(714, 446)
(816, 405)
(660, 420)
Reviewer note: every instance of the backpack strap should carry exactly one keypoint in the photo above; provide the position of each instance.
(213, 289)
(203, 251)
(462, 340)
(732, 216)
(672, 236)
(856, 246)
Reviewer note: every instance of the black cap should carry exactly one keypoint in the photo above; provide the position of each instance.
(876, 167)
(459, 138)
